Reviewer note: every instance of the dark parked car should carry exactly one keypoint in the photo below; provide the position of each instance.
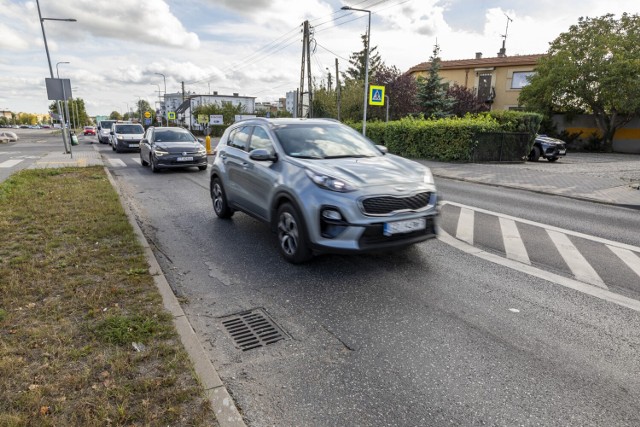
(549, 148)
(169, 147)
(322, 187)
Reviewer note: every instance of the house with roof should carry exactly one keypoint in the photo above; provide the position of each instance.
(497, 81)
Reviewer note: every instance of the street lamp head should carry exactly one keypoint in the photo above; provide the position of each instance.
(59, 19)
(345, 8)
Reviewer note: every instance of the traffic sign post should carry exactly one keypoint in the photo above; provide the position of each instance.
(376, 95)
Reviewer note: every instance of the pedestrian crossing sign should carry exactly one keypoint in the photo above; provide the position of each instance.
(376, 95)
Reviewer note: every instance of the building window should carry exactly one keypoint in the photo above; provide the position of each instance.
(520, 79)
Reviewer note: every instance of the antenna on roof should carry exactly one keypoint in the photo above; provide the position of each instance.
(503, 51)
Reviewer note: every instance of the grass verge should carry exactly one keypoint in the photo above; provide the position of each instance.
(84, 337)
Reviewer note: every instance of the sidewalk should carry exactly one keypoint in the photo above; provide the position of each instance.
(604, 178)
(81, 155)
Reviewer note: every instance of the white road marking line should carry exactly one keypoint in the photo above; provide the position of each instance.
(577, 263)
(547, 227)
(586, 289)
(137, 160)
(628, 257)
(465, 225)
(10, 163)
(117, 163)
(513, 244)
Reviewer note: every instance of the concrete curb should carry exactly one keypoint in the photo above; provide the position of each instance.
(546, 192)
(221, 402)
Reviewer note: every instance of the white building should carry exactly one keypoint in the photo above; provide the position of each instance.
(184, 107)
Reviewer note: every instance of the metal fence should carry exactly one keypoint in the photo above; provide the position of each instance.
(501, 147)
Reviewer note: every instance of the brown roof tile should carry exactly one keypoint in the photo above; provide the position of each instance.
(482, 62)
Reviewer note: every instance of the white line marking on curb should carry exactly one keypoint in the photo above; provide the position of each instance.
(465, 225)
(10, 163)
(587, 289)
(513, 244)
(577, 263)
(628, 257)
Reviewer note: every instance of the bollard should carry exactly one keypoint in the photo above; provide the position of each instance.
(207, 141)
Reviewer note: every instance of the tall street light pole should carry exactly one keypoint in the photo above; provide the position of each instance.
(65, 141)
(366, 67)
(165, 94)
(64, 95)
(159, 99)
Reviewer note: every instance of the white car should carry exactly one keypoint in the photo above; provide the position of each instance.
(11, 136)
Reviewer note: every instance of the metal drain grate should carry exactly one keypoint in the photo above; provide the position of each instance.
(252, 329)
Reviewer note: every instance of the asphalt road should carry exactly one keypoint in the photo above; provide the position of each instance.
(427, 336)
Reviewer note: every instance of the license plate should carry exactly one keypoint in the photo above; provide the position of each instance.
(134, 145)
(406, 226)
(185, 159)
(562, 151)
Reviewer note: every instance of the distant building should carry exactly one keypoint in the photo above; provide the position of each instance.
(183, 107)
(497, 81)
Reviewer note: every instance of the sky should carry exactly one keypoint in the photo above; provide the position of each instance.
(118, 49)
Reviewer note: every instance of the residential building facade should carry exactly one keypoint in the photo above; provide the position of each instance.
(497, 81)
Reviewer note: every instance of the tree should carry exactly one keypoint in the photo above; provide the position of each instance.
(465, 101)
(115, 115)
(431, 94)
(593, 68)
(400, 89)
(357, 60)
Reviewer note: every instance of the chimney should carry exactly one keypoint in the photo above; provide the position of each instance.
(235, 94)
(478, 55)
(215, 92)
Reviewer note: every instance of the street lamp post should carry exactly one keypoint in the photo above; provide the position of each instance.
(165, 94)
(60, 111)
(366, 67)
(159, 99)
(67, 145)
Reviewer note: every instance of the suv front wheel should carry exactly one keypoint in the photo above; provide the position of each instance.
(219, 199)
(292, 239)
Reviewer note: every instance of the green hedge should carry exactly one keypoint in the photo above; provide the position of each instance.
(450, 139)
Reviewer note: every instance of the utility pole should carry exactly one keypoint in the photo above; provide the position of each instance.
(182, 91)
(338, 88)
(306, 62)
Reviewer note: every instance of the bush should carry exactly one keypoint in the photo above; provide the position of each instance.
(449, 139)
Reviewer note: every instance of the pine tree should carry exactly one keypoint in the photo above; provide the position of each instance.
(431, 94)
(357, 61)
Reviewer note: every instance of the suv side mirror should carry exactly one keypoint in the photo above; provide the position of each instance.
(260, 154)
(111, 133)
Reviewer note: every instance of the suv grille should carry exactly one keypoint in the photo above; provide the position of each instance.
(388, 204)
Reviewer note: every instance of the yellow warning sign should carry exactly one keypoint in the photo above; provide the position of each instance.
(376, 95)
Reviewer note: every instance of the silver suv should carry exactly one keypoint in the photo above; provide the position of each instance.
(323, 187)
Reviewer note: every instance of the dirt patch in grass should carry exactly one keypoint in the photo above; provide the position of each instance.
(84, 337)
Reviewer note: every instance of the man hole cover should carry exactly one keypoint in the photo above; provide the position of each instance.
(252, 329)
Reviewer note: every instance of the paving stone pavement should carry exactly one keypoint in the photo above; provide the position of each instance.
(606, 178)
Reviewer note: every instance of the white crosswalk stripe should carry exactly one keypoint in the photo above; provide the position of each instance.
(137, 160)
(513, 244)
(10, 163)
(628, 257)
(117, 163)
(465, 225)
(576, 262)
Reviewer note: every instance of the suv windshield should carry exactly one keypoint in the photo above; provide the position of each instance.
(173, 135)
(106, 125)
(129, 129)
(323, 142)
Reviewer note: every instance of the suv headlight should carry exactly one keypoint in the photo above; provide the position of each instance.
(158, 152)
(330, 183)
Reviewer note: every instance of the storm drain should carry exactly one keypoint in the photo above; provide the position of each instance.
(252, 329)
